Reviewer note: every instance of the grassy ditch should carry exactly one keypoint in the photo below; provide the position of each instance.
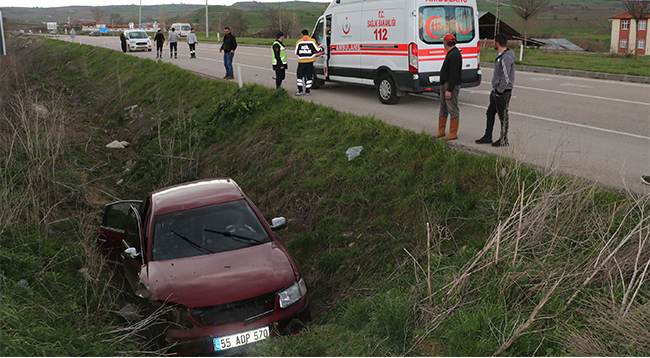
(409, 249)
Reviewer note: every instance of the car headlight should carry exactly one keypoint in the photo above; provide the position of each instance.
(292, 294)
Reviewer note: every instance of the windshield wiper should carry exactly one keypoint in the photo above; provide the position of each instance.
(234, 236)
(194, 244)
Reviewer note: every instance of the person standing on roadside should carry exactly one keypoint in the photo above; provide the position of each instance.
(192, 42)
(503, 79)
(160, 41)
(306, 50)
(173, 43)
(228, 48)
(123, 41)
(280, 64)
(450, 77)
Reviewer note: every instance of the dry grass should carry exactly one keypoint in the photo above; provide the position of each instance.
(555, 241)
(44, 180)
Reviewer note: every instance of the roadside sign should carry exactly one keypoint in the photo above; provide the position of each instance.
(103, 30)
(3, 48)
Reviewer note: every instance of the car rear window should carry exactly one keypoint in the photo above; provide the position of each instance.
(192, 232)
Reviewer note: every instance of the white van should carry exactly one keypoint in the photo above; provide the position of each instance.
(183, 28)
(395, 45)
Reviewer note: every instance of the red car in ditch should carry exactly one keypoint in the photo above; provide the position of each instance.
(204, 249)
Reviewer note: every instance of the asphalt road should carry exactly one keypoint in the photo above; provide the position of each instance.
(596, 129)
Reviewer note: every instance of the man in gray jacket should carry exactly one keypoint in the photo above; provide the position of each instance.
(192, 42)
(503, 80)
(172, 40)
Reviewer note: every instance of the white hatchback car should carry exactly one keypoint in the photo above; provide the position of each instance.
(138, 40)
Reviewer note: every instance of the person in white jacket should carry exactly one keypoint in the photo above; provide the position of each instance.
(192, 41)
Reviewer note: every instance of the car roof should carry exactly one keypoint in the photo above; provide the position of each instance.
(194, 195)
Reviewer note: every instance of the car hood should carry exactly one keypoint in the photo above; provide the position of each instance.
(219, 278)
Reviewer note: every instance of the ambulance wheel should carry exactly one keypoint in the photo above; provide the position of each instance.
(387, 90)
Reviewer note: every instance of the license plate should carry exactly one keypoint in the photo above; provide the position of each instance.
(434, 79)
(240, 339)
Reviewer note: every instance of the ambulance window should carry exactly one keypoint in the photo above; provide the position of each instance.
(318, 32)
(436, 21)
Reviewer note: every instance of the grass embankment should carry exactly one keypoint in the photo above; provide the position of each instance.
(409, 249)
(583, 61)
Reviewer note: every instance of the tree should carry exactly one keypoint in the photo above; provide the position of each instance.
(235, 20)
(98, 14)
(116, 19)
(638, 9)
(162, 17)
(279, 20)
(528, 9)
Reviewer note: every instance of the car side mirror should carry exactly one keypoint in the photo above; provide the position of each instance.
(278, 223)
(130, 254)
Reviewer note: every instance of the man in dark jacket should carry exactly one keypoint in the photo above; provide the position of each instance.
(280, 64)
(228, 48)
(503, 79)
(450, 78)
(160, 41)
(123, 41)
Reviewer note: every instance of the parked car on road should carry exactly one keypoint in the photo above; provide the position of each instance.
(93, 33)
(138, 40)
(204, 248)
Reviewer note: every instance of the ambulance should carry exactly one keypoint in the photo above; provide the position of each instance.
(395, 45)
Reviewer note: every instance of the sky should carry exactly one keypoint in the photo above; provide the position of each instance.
(61, 3)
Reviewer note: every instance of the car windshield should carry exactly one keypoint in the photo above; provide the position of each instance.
(138, 35)
(211, 229)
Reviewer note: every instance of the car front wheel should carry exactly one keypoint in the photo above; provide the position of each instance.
(387, 90)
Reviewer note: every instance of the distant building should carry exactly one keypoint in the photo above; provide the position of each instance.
(624, 36)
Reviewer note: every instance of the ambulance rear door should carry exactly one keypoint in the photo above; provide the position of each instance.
(434, 21)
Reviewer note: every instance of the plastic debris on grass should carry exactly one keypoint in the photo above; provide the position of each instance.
(353, 152)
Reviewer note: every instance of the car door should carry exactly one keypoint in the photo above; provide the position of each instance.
(132, 253)
(111, 232)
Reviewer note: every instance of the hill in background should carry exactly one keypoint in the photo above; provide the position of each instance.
(584, 22)
(253, 16)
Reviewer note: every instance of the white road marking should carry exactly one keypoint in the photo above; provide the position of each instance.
(584, 95)
(575, 85)
(552, 120)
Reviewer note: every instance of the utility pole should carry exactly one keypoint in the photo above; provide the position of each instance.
(293, 30)
(140, 18)
(496, 22)
(207, 30)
